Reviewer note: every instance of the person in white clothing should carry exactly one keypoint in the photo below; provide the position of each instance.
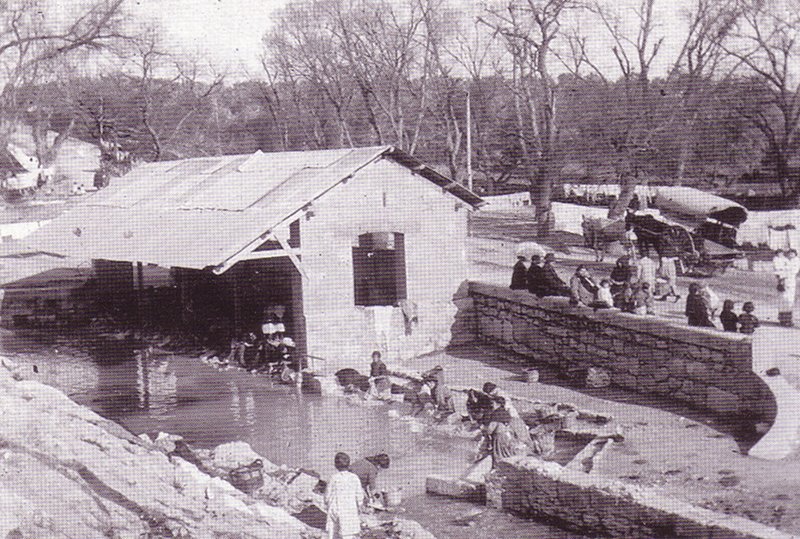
(343, 499)
(779, 263)
(648, 268)
(786, 271)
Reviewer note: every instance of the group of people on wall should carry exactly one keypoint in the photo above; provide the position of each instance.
(634, 284)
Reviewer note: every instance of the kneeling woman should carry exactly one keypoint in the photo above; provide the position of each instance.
(499, 439)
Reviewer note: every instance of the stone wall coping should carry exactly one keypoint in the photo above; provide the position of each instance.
(646, 497)
(661, 327)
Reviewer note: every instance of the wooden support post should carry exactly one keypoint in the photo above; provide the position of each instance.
(237, 303)
(139, 292)
(180, 282)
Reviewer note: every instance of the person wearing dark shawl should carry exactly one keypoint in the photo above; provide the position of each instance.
(519, 277)
(621, 277)
(552, 284)
(499, 439)
(535, 276)
(698, 307)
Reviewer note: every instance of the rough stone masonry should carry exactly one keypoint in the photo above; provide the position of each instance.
(706, 369)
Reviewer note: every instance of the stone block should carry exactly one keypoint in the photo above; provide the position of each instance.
(625, 380)
(661, 374)
(722, 402)
(678, 367)
(697, 370)
(507, 332)
(454, 488)
(604, 341)
(522, 331)
(684, 527)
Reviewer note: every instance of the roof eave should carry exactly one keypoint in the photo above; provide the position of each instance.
(418, 167)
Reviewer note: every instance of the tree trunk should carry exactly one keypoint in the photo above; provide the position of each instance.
(782, 173)
(626, 192)
(541, 197)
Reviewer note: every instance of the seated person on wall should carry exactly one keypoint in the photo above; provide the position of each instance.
(642, 301)
(747, 320)
(552, 284)
(604, 299)
(519, 274)
(535, 277)
(729, 319)
(621, 276)
(583, 289)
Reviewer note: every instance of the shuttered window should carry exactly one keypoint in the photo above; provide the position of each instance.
(379, 269)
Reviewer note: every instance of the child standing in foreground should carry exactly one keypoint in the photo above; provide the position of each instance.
(747, 320)
(728, 317)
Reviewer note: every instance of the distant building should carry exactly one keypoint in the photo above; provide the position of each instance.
(359, 248)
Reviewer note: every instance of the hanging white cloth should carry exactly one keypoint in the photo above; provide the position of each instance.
(382, 316)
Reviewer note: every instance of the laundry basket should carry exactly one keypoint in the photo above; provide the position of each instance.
(248, 478)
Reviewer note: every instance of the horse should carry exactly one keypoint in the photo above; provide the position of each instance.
(664, 238)
(600, 232)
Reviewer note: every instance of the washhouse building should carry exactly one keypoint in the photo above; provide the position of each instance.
(356, 249)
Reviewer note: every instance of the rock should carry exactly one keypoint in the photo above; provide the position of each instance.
(166, 441)
(303, 486)
(477, 472)
(67, 472)
(235, 454)
(597, 377)
(454, 488)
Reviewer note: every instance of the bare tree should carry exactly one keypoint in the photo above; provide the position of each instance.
(637, 114)
(301, 46)
(33, 44)
(386, 47)
(710, 27)
(529, 29)
(767, 47)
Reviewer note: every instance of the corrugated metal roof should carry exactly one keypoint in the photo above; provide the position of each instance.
(197, 213)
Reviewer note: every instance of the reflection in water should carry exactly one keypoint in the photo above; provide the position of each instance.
(157, 386)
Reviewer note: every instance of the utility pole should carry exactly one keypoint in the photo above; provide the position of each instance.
(469, 141)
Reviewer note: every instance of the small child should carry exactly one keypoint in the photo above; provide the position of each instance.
(747, 320)
(728, 317)
(604, 298)
(642, 300)
(649, 300)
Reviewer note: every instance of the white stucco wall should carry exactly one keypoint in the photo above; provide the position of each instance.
(435, 227)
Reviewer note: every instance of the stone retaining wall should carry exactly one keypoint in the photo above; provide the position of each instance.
(707, 369)
(534, 488)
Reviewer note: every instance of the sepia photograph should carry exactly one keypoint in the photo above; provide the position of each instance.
(399, 269)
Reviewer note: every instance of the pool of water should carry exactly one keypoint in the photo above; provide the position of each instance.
(181, 395)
